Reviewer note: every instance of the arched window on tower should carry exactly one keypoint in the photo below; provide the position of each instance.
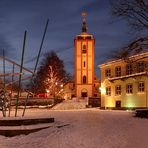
(84, 79)
(84, 49)
(84, 63)
(84, 46)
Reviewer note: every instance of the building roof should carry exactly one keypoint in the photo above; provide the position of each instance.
(119, 60)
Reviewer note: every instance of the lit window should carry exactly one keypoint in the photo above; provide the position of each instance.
(118, 71)
(141, 86)
(129, 88)
(128, 69)
(140, 67)
(118, 90)
(84, 63)
(84, 79)
(108, 72)
(108, 91)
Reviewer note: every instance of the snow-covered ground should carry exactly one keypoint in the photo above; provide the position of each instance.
(85, 128)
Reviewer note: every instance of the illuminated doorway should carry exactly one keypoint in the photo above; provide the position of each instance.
(84, 93)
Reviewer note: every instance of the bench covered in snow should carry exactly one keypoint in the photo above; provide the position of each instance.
(143, 113)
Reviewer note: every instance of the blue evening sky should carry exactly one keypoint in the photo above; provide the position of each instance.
(16, 16)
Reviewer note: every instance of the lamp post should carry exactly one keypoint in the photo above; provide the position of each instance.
(47, 91)
(61, 90)
(103, 91)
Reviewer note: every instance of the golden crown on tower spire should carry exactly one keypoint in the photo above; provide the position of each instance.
(84, 27)
(84, 14)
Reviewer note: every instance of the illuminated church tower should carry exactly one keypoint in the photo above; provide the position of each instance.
(84, 62)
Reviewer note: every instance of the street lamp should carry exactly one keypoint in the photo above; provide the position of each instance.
(103, 92)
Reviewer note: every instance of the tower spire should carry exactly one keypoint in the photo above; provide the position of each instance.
(84, 27)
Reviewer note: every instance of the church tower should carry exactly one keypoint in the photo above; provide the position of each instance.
(84, 62)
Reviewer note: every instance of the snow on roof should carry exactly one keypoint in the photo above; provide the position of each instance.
(126, 76)
(119, 60)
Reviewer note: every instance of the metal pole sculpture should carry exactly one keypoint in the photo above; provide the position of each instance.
(4, 88)
(11, 61)
(36, 62)
(11, 91)
(21, 69)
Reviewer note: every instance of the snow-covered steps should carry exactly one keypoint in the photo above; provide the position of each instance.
(12, 126)
(71, 104)
(9, 131)
(24, 121)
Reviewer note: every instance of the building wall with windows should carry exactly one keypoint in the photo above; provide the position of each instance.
(124, 83)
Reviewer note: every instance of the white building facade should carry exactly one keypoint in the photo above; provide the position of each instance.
(124, 84)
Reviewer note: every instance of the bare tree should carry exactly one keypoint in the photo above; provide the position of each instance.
(52, 82)
(50, 72)
(134, 11)
(137, 46)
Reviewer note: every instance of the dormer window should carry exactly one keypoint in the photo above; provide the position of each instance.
(129, 69)
(118, 71)
(140, 66)
(108, 72)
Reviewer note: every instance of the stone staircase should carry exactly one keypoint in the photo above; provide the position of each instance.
(75, 103)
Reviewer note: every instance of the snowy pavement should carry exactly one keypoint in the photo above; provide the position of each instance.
(85, 128)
